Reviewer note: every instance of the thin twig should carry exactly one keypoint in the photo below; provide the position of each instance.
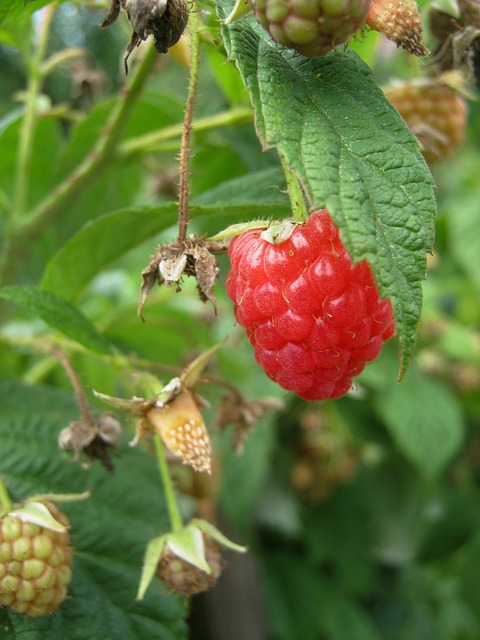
(80, 395)
(97, 159)
(187, 123)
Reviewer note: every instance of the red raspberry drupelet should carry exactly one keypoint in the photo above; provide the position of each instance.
(314, 318)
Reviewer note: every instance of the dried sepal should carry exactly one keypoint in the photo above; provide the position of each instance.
(177, 259)
(165, 20)
(192, 372)
(234, 410)
(95, 439)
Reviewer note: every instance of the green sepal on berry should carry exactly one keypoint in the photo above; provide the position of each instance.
(187, 560)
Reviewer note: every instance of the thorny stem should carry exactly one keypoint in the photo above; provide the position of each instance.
(29, 123)
(295, 192)
(80, 396)
(172, 506)
(5, 500)
(187, 122)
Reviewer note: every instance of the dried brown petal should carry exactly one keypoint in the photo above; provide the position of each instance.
(244, 415)
(206, 271)
(172, 261)
(94, 439)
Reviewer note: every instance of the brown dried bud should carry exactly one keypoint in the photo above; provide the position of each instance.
(166, 20)
(172, 261)
(95, 439)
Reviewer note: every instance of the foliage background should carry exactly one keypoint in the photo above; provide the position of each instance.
(362, 514)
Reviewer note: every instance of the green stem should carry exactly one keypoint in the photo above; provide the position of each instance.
(297, 200)
(172, 506)
(86, 172)
(97, 159)
(6, 503)
(194, 27)
(29, 123)
(151, 142)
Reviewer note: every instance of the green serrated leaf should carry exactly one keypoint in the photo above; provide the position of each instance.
(424, 419)
(353, 154)
(37, 513)
(58, 314)
(152, 557)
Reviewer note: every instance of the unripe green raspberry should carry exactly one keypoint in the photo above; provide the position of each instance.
(311, 27)
(187, 579)
(35, 564)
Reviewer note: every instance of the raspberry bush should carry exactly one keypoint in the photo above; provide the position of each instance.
(184, 329)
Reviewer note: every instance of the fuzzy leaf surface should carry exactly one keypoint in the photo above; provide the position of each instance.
(110, 530)
(353, 154)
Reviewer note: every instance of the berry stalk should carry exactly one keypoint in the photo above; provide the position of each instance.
(172, 506)
(295, 192)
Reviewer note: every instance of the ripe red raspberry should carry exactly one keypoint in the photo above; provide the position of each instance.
(35, 564)
(314, 318)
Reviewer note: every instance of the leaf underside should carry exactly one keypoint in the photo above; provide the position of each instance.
(353, 154)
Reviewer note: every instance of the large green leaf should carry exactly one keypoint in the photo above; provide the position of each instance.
(108, 238)
(57, 313)
(110, 530)
(353, 153)
(424, 418)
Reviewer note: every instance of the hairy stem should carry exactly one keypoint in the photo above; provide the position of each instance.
(172, 506)
(187, 122)
(80, 396)
(29, 123)
(5, 500)
(295, 192)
